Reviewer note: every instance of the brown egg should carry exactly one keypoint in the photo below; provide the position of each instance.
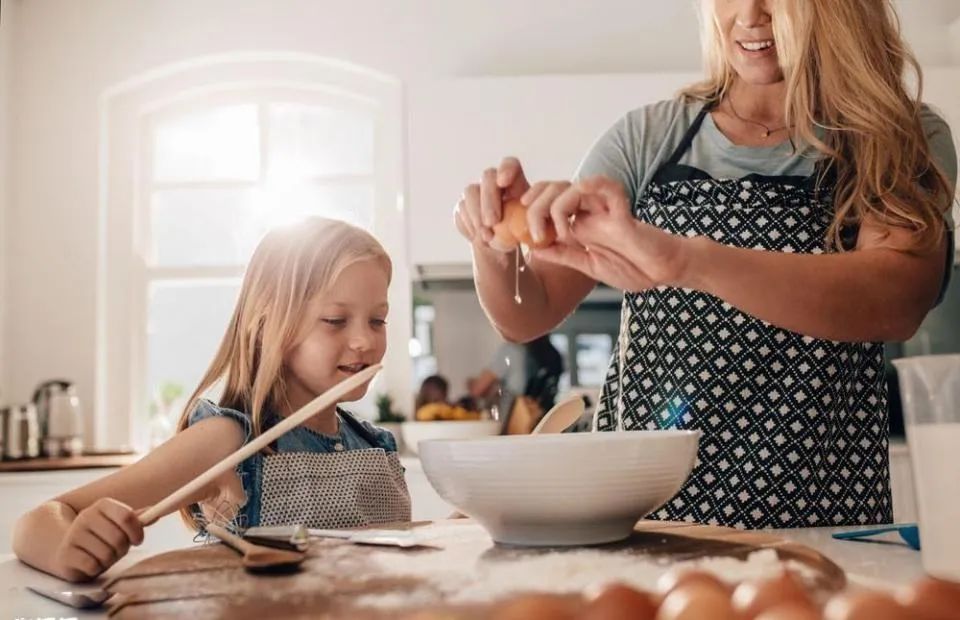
(537, 607)
(751, 598)
(503, 239)
(864, 606)
(931, 599)
(676, 578)
(515, 215)
(696, 601)
(791, 611)
(619, 602)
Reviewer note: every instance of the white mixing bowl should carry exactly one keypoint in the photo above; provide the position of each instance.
(563, 489)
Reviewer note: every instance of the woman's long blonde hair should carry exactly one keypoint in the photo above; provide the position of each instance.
(844, 63)
(291, 266)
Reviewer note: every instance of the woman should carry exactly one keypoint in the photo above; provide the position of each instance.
(770, 228)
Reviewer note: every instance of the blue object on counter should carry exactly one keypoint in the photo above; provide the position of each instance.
(909, 532)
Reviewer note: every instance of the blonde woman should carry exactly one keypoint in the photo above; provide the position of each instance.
(770, 228)
(312, 311)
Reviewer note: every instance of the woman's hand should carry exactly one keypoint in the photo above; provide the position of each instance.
(99, 536)
(599, 236)
(480, 207)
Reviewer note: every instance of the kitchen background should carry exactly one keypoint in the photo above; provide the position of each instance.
(144, 147)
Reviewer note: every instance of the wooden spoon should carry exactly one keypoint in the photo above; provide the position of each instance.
(560, 416)
(330, 397)
(257, 557)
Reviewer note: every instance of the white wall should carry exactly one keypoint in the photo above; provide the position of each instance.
(456, 128)
(8, 12)
(69, 53)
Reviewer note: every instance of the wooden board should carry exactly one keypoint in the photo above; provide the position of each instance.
(85, 461)
(208, 581)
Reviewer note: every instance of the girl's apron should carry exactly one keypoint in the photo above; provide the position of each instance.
(352, 488)
(794, 428)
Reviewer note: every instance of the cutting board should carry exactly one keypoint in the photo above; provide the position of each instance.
(342, 580)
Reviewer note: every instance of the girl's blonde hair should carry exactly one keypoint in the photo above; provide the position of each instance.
(844, 65)
(291, 266)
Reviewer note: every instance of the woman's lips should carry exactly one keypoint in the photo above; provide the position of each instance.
(756, 49)
(352, 368)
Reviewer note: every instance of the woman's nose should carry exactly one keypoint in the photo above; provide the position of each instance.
(753, 14)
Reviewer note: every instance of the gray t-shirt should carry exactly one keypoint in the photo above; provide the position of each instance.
(637, 145)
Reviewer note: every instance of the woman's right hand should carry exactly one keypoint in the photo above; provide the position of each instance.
(100, 535)
(480, 207)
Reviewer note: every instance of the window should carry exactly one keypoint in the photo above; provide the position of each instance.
(218, 178)
(198, 169)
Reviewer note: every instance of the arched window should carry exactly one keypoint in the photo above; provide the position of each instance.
(200, 160)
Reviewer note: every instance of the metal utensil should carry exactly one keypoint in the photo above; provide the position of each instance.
(561, 416)
(295, 534)
(87, 599)
(21, 432)
(256, 557)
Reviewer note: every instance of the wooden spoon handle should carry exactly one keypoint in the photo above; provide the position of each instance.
(230, 539)
(327, 399)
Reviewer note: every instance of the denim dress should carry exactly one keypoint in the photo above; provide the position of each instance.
(350, 479)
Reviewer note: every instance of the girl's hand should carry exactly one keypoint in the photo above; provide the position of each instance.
(599, 236)
(99, 536)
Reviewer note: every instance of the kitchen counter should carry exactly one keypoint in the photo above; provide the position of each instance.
(85, 461)
(878, 565)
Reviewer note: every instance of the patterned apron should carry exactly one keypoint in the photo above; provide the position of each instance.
(794, 428)
(353, 488)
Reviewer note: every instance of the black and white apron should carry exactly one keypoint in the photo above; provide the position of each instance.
(352, 488)
(794, 428)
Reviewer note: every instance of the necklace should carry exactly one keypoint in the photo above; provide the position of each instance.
(766, 130)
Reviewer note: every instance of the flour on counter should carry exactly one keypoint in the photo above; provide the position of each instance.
(474, 570)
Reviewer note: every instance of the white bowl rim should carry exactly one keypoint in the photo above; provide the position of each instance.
(624, 436)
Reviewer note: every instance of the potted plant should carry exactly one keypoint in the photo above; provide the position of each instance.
(388, 419)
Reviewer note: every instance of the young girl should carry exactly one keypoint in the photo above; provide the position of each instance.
(312, 311)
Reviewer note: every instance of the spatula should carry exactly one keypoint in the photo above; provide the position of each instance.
(909, 532)
(257, 557)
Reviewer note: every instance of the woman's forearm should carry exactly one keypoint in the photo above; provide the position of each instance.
(38, 533)
(866, 295)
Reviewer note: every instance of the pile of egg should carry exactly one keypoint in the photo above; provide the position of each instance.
(695, 595)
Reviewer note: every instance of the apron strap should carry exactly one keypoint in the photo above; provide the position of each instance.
(358, 428)
(688, 136)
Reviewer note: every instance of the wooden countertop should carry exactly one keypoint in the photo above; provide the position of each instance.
(87, 461)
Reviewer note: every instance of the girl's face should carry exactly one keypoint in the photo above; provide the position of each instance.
(748, 40)
(345, 333)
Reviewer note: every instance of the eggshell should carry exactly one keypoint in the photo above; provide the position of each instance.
(537, 607)
(791, 611)
(931, 599)
(751, 598)
(696, 601)
(515, 215)
(619, 602)
(503, 239)
(865, 606)
(676, 578)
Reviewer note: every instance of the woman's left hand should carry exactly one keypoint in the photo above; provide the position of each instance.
(604, 240)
